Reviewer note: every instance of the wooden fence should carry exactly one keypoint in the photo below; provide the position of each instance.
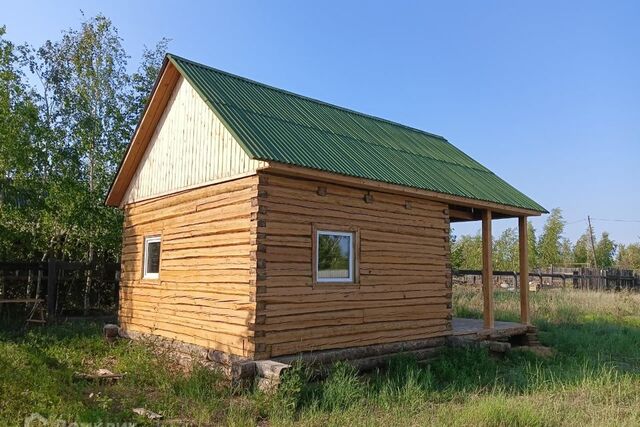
(612, 279)
(62, 285)
(606, 279)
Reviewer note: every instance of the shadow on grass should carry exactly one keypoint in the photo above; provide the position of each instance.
(42, 345)
(18, 331)
(37, 369)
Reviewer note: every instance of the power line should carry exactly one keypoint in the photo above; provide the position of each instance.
(602, 220)
(577, 221)
(615, 220)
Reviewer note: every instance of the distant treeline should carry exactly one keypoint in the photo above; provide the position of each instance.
(551, 248)
(67, 111)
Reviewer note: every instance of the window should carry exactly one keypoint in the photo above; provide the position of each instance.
(334, 256)
(151, 257)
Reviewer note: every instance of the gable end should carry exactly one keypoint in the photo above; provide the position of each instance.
(180, 144)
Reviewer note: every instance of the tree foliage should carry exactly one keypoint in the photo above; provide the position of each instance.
(605, 251)
(552, 249)
(63, 133)
(22, 157)
(629, 256)
(532, 246)
(331, 255)
(549, 246)
(505, 251)
(582, 253)
(466, 252)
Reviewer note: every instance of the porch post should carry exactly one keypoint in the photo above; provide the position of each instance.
(487, 270)
(524, 270)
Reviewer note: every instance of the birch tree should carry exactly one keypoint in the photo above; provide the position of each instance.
(549, 245)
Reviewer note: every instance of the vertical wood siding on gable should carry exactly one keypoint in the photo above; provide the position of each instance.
(190, 147)
(404, 288)
(205, 293)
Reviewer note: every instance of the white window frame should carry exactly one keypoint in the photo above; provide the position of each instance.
(147, 240)
(352, 238)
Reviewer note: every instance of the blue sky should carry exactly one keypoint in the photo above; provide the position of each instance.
(545, 94)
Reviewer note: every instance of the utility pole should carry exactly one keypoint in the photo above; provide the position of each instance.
(593, 246)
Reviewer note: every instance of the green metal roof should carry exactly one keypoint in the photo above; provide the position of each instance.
(275, 125)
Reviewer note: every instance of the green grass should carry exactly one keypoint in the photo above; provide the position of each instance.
(594, 378)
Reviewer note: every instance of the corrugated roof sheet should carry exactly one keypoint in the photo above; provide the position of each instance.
(276, 125)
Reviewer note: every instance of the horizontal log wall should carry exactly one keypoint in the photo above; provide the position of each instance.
(205, 294)
(404, 281)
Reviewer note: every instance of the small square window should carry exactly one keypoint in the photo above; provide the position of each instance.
(151, 257)
(335, 257)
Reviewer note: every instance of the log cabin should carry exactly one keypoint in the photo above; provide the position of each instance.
(261, 223)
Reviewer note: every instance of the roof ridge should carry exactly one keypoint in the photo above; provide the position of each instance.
(308, 98)
(481, 168)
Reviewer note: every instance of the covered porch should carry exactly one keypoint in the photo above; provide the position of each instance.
(488, 325)
(474, 329)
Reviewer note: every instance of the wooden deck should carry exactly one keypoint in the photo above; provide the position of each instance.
(474, 329)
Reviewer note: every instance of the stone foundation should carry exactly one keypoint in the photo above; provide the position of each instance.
(268, 373)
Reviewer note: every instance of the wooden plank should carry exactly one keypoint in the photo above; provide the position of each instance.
(328, 212)
(239, 289)
(240, 210)
(302, 267)
(190, 318)
(212, 190)
(433, 238)
(293, 308)
(224, 315)
(201, 200)
(207, 152)
(167, 79)
(399, 214)
(355, 317)
(52, 290)
(198, 296)
(352, 296)
(461, 215)
(207, 339)
(348, 195)
(358, 340)
(349, 200)
(331, 332)
(487, 270)
(328, 177)
(369, 224)
(223, 303)
(298, 289)
(365, 280)
(214, 315)
(524, 269)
